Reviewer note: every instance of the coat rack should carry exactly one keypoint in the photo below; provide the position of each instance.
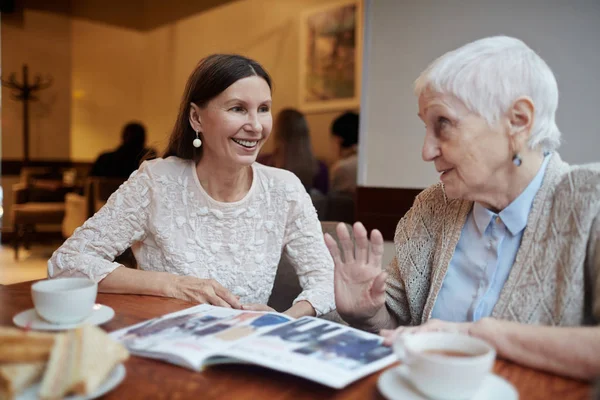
(25, 92)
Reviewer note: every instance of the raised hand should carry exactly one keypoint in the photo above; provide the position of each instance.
(207, 291)
(359, 282)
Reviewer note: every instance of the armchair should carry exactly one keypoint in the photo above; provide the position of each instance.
(38, 199)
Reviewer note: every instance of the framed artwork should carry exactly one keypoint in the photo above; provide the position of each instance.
(331, 56)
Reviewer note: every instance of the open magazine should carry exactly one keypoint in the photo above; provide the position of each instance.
(323, 351)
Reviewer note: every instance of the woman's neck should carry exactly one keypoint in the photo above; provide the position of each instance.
(224, 183)
(514, 181)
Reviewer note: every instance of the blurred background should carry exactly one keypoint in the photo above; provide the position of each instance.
(110, 62)
(95, 66)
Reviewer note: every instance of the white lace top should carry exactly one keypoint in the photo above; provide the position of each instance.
(173, 225)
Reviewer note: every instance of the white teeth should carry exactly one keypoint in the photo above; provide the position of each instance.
(246, 143)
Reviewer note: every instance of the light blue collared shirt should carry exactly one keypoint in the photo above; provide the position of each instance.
(484, 256)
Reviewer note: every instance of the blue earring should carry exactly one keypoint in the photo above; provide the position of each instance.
(517, 160)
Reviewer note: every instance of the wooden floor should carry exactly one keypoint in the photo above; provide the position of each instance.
(32, 263)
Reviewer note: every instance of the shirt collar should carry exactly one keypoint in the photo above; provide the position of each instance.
(482, 216)
(515, 215)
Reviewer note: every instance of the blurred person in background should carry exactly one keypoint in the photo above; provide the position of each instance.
(344, 131)
(121, 162)
(293, 151)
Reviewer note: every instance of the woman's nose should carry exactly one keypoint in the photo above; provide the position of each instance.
(430, 149)
(254, 123)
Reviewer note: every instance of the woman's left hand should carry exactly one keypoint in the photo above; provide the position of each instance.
(257, 307)
(433, 325)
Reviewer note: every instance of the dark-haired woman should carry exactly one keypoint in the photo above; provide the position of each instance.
(206, 223)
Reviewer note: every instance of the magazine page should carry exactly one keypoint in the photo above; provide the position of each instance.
(189, 336)
(316, 349)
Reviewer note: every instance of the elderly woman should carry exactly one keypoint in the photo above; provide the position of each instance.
(206, 223)
(507, 246)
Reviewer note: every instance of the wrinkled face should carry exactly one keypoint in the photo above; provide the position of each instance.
(468, 153)
(235, 124)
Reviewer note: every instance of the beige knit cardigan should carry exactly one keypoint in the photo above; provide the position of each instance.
(555, 279)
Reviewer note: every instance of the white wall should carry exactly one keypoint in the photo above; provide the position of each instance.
(41, 40)
(403, 37)
(107, 85)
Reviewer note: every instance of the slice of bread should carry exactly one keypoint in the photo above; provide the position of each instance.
(18, 346)
(80, 361)
(16, 377)
(61, 365)
(99, 355)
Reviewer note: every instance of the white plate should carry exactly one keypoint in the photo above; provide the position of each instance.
(394, 386)
(116, 376)
(30, 319)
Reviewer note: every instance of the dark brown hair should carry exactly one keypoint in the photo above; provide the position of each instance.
(346, 127)
(211, 77)
(293, 150)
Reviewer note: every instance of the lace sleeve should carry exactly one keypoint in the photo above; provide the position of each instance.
(308, 254)
(91, 250)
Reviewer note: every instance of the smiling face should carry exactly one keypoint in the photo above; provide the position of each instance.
(470, 155)
(235, 124)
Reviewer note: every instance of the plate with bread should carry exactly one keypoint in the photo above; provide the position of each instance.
(83, 363)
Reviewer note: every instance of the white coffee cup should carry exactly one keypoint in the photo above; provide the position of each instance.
(444, 365)
(64, 300)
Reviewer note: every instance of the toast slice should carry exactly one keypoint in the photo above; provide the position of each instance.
(80, 361)
(18, 346)
(18, 376)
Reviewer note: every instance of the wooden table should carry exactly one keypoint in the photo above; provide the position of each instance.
(148, 378)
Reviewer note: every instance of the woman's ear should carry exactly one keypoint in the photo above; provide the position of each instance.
(195, 118)
(521, 117)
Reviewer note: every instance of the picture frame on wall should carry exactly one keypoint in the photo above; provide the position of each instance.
(331, 56)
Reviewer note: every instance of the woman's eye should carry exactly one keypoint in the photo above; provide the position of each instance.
(441, 125)
(264, 109)
(443, 121)
(236, 109)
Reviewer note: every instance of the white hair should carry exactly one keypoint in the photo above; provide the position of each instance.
(488, 75)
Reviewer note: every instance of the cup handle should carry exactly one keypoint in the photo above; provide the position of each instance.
(403, 371)
(400, 349)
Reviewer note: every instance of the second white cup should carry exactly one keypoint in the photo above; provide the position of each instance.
(443, 365)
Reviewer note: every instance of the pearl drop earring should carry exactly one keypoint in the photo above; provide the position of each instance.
(197, 142)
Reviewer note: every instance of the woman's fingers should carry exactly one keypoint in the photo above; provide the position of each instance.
(333, 249)
(376, 250)
(225, 295)
(389, 336)
(219, 302)
(378, 286)
(362, 243)
(346, 242)
(257, 307)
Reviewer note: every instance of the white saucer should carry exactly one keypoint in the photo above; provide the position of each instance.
(394, 386)
(116, 376)
(30, 319)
